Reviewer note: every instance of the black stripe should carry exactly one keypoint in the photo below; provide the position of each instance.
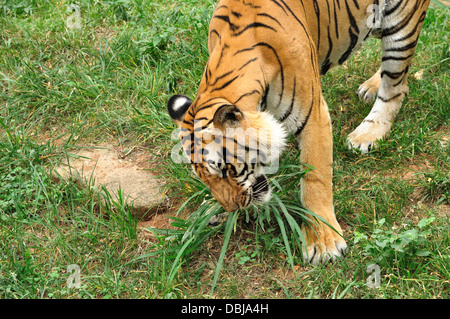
(270, 17)
(225, 85)
(413, 32)
(251, 5)
(392, 75)
(391, 10)
(399, 26)
(253, 26)
(329, 12)
(207, 101)
(207, 73)
(336, 26)
(317, 10)
(353, 42)
(216, 33)
(239, 145)
(221, 77)
(261, 85)
(395, 58)
(353, 23)
(276, 2)
(303, 6)
(243, 171)
(204, 107)
(244, 50)
(353, 35)
(386, 100)
(198, 129)
(263, 104)
(236, 14)
(339, 5)
(247, 63)
(298, 20)
(410, 46)
(233, 27)
(302, 126)
(226, 46)
(291, 106)
(245, 95)
(327, 64)
(403, 77)
(201, 106)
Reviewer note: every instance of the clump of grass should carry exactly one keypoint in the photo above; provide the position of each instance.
(24, 180)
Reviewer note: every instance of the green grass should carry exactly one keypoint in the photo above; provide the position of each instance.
(63, 88)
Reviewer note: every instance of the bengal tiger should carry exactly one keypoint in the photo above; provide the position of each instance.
(263, 72)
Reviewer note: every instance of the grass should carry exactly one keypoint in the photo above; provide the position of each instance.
(62, 88)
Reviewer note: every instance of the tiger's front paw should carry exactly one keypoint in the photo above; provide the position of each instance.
(323, 244)
(366, 135)
(368, 91)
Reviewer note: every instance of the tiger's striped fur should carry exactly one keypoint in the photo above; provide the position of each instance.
(266, 59)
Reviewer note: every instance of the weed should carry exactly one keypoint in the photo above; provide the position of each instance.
(402, 249)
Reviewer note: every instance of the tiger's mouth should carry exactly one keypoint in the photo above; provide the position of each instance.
(257, 194)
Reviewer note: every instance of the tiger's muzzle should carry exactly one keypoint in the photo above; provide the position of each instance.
(258, 193)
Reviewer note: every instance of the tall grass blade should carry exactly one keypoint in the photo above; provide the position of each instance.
(280, 222)
(231, 220)
(295, 227)
(176, 264)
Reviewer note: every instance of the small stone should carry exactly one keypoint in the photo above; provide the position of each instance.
(103, 166)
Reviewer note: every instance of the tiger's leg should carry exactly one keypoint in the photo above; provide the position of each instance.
(316, 143)
(400, 31)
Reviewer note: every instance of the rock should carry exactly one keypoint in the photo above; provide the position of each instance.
(105, 166)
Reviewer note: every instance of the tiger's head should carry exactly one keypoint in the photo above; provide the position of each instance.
(229, 149)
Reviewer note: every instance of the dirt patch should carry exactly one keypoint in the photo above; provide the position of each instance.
(414, 171)
(159, 219)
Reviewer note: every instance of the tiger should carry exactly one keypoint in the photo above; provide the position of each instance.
(266, 59)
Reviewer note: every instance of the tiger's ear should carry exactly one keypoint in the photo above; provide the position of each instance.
(177, 107)
(228, 116)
